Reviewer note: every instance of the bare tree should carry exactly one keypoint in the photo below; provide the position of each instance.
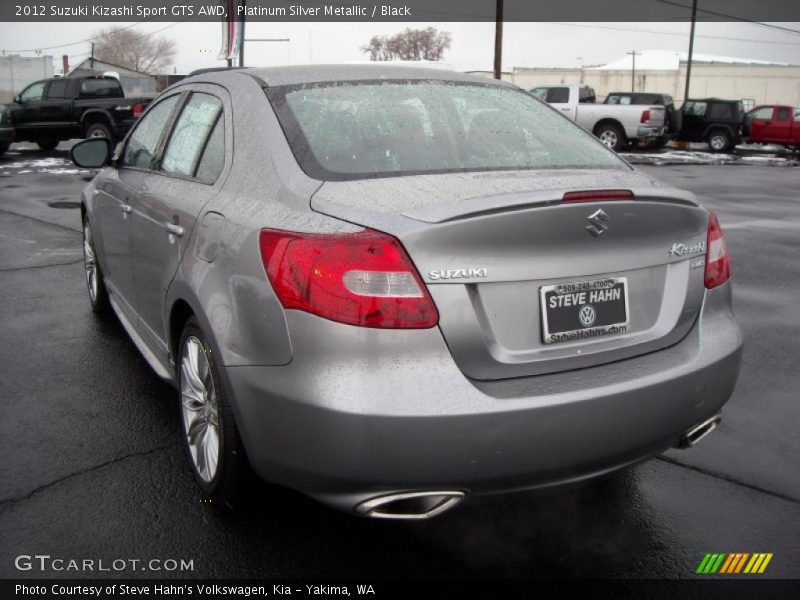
(145, 53)
(410, 44)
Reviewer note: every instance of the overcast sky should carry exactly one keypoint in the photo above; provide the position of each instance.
(525, 44)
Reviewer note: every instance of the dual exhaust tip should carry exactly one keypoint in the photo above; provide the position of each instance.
(699, 432)
(425, 505)
(410, 505)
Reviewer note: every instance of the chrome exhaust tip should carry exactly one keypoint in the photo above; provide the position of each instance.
(699, 432)
(410, 505)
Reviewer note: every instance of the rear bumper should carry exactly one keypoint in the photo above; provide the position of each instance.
(383, 411)
(648, 131)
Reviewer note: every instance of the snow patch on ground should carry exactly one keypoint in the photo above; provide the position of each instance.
(51, 165)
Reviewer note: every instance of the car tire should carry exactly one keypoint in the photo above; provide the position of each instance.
(208, 429)
(612, 136)
(47, 145)
(98, 130)
(719, 141)
(98, 295)
(4, 148)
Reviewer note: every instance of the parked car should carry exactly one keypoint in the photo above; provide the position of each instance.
(773, 124)
(717, 122)
(392, 287)
(672, 117)
(6, 131)
(52, 110)
(615, 126)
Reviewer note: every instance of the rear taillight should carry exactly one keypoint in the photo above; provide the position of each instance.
(138, 109)
(718, 261)
(597, 196)
(363, 278)
(645, 116)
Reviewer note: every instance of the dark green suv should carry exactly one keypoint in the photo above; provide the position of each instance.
(717, 122)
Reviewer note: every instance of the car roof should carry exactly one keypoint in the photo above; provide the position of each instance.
(303, 74)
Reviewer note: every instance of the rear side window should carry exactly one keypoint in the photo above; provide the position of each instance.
(189, 136)
(695, 109)
(357, 130)
(143, 143)
(558, 95)
(57, 89)
(784, 113)
(720, 110)
(213, 158)
(101, 88)
(585, 96)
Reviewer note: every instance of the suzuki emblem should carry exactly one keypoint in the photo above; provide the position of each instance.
(599, 223)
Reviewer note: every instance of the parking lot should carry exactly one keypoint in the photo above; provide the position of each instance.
(93, 467)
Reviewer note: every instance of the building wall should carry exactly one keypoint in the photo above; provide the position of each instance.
(759, 84)
(18, 71)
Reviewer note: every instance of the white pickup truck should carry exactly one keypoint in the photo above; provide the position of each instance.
(614, 124)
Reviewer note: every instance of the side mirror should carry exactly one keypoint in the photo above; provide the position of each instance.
(92, 153)
(17, 99)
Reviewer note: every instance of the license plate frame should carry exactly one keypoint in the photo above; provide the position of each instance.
(600, 320)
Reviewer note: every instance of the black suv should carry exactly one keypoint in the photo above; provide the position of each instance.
(672, 122)
(717, 122)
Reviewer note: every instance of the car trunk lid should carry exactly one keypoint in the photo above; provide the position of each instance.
(495, 248)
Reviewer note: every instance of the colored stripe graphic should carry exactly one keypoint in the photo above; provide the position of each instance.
(741, 562)
(732, 560)
(733, 563)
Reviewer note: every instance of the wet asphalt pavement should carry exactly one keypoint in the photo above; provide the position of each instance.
(91, 465)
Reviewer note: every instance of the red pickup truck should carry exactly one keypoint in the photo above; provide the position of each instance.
(773, 124)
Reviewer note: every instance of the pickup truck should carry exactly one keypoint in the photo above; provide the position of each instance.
(672, 116)
(614, 125)
(51, 110)
(773, 124)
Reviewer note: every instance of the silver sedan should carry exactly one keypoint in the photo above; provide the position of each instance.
(391, 287)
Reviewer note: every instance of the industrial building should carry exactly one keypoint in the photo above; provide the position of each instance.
(753, 81)
(18, 71)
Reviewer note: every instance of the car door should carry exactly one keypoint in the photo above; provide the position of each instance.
(26, 115)
(187, 177)
(56, 108)
(778, 128)
(116, 196)
(694, 120)
(757, 123)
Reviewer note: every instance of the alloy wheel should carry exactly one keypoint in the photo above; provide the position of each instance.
(200, 409)
(90, 262)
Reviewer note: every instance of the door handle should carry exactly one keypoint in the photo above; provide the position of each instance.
(174, 229)
(127, 208)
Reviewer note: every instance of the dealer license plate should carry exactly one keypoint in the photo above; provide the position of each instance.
(584, 309)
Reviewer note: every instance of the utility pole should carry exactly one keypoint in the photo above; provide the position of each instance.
(241, 44)
(634, 54)
(691, 49)
(498, 41)
(91, 62)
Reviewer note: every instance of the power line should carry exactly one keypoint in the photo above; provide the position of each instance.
(654, 31)
(733, 17)
(79, 42)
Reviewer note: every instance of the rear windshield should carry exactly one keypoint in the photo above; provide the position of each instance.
(358, 130)
(109, 88)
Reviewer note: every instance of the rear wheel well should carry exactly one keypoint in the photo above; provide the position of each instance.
(605, 122)
(93, 118)
(181, 312)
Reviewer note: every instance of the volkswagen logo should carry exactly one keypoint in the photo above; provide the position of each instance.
(599, 222)
(587, 315)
